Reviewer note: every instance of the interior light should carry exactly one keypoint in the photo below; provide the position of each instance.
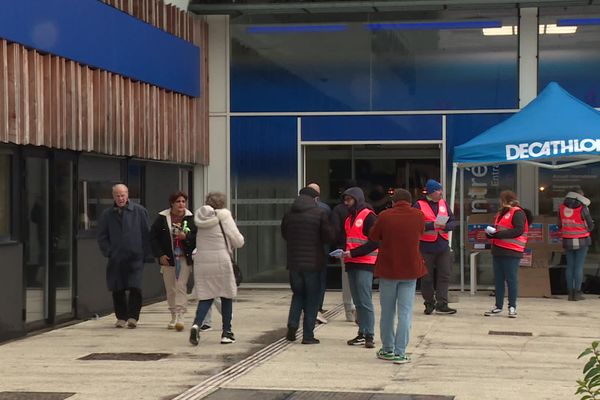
(543, 29)
(434, 25)
(542, 188)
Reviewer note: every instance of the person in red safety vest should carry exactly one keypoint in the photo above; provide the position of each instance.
(576, 223)
(434, 247)
(509, 238)
(360, 256)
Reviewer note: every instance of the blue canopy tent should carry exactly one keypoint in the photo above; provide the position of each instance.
(555, 130)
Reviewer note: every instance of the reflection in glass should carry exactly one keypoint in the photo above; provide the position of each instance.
(96, 178)
(36, 245)
(5, 191)
(63, 236)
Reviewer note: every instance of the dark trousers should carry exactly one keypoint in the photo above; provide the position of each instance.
(306, 289)
(434, 285)
(126, 308)
(506, 269)
(226, 312)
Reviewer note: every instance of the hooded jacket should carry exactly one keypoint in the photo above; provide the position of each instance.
(359, 205)
(306, 229)
(575, 200)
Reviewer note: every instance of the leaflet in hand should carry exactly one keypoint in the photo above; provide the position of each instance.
(441, 220)
(337, 253)
(490, 230)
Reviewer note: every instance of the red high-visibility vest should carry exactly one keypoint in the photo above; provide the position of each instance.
(573, 224)
(356, 238)
(505, 222)
(431, 236)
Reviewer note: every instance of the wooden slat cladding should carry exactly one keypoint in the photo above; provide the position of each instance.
(49, 101)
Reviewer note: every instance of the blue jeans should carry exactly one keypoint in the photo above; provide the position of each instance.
(306, 289)
(361, 283)
(506, 269)
(574, 273)
(396, 296)
(226, 312)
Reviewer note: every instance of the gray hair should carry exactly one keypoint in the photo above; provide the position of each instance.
(216, 200)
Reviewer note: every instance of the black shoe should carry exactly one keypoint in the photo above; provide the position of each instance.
(227, 337)
(357, 341)
(205, 328)
(429, 307)
(311, 341)
(444, 309)
(369, 342)
(291, 334)
(577, 295)
(194, 335)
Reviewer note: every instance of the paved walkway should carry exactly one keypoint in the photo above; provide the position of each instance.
(452, 355)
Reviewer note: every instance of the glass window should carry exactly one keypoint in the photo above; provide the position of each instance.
(358, 62)
(5, 191)
(569, 39)
(135, 181)
(97, 175)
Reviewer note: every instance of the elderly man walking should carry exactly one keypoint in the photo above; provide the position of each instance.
(399, 264)
(124, 238)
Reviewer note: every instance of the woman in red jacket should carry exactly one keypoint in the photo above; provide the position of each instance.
(508, 244)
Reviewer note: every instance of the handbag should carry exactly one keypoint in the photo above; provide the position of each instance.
(237, 273)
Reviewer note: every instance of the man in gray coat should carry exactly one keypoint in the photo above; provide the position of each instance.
(123, 237)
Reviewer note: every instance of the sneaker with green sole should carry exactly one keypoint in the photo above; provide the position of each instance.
(385, 355)
(401, 359)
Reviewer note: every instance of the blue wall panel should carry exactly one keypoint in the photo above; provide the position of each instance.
(396, 127)
(263, 147)
(93, 33)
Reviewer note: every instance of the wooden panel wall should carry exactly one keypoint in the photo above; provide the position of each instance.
(50, 101)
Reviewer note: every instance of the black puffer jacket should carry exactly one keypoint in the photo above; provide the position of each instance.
(161, 239)
(306, 229)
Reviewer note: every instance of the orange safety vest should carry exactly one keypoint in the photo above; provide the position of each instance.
(573, 224)
(505, 222)
(431, 236)
(356, 238)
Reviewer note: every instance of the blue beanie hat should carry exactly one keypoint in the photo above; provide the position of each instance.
(432, 186)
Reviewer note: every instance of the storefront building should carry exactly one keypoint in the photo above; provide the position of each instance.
(80, 110)
(381, 92)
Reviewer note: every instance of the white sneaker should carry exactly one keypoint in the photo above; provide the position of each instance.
(494, 311)
(321, 319)
(512, 312)
(171, 324)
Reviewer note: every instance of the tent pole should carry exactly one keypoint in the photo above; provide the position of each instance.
(462, 229)
(452, 199)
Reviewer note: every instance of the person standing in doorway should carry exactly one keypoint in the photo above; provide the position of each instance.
(399, 264)
(576, 224)
(320, 317)
(439, 220)
(173, 238)
(306, 229)
(360, 257)
(124, 238)
(509, 238)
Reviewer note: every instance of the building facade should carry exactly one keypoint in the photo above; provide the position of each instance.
(91, 94)
(381, 92)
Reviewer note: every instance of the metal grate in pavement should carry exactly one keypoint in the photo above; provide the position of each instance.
(509, 333)
(235, 371)
(124, 357)
(248, 394)
(34, 395)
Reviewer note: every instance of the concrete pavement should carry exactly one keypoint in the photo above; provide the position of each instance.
(452, 355)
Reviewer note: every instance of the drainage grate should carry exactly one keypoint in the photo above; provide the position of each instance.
(125, 356)
(245, 394)
(508, 333)
(34, 395)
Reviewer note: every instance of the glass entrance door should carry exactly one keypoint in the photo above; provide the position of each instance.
(48, 244)
(374, 168)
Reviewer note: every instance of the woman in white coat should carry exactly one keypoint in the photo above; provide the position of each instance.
(213, 272)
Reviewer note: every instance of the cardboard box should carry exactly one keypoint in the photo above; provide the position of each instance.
(534, 282)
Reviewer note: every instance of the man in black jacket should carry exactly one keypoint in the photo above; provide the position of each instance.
(306, 229)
